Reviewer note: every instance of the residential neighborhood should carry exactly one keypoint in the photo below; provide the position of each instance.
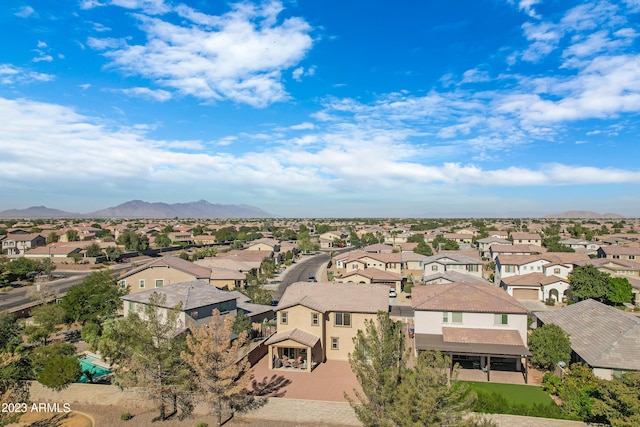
(475, 300)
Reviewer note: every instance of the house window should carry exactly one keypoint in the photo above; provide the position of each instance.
(473, 267)
(122, 283)
(510, 268)
(501, 319)
(632, 257)
(445, 317)
(434, 268)
(141, 283)
(132, 306)
(284, 317)
(223, 307)
(616, 257)
(159, 283)
(556, 271)
(343, 319)
(456, 317)
(335, 343)
(314, 319)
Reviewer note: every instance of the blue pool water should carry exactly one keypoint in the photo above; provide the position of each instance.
(88, 364)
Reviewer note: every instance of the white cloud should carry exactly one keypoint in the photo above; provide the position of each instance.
(143, 92)
(527, 7)
(153, 7)
(237, 56)
(25, 12)
(10, 75)
(303, 126)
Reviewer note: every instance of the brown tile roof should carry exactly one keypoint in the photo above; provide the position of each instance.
(518, 248)
(532, 279)
(297, 335)
(375, 274)
(325, 297)
(465, 297)
(198, 271)
(482, 336)
(620, 250)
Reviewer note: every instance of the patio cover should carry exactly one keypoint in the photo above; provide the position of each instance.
(297, 335)
(477, 342)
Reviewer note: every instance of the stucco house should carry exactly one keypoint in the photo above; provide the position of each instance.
(19, 243)
(519, 238)
(317, 321)
(602, 336)
(628, 253)
(475, 324)
(163, 272)
(452, 262)
(536, 286)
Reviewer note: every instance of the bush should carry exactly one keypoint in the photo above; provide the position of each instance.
(126, 416)
(550, 301)
(550, 383)
(202, 424)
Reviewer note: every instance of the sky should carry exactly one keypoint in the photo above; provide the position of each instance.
(332, 108)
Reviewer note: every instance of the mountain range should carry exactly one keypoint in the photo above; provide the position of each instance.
(584, 214)
(141, 209)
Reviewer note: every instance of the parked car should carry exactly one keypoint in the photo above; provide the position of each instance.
(392, 293)
(312, 279)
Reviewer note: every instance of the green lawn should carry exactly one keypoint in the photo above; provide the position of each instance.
(513, 393)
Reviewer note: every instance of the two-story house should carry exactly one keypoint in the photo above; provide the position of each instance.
(628, 253)
(317, 321)
(451, 262)
(477, 325)
(519, 238)
(19, 243)
(162, 272)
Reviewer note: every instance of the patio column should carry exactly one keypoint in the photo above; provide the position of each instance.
(270, 355)
(526, 370)
(488, 368)
(308, 359)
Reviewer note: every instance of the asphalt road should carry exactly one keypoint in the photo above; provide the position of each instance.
(301, 271)
(19, 297)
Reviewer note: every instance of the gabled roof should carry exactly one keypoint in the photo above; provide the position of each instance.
(518, 248)
(601, 335)
(620, 250)
(454, 276)
(374, 274)
(297, 335)
(451, 259)
(532, 279)
(325, 297)
(611, 263)
(197, 271)
(192, 295)
(465, 297)
(378, 247)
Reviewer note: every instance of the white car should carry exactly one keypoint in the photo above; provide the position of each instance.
(392, 293)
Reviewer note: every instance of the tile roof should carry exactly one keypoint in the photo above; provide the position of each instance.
(601, 335)
(375, 274)
(454, 276)
(620, 250)
(297, 335)
(450, 259)
(482, 336)
(532, 279)
(465, 297)
(325, 297)
(197, 271)
(192, 295)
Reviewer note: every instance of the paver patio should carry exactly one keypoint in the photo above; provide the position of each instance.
(328, 381)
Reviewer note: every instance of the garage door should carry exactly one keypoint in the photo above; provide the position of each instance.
(525, 294)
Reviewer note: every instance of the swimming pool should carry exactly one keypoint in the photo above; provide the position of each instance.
(90, 363)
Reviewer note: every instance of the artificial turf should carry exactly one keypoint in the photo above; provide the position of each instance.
(513, 393)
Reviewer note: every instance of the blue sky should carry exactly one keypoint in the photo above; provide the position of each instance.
(323, 108)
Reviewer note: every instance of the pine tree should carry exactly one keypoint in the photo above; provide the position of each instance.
(220, 372)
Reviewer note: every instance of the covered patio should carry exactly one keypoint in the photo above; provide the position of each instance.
(480, 350)
(294, 350)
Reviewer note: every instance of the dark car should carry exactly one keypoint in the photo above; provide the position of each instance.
(312, 279)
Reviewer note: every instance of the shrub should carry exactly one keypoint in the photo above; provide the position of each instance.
(202, 424)
(126, 416)
(550, 301)
(550, 383)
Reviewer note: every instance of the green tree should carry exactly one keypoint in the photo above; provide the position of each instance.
(21, 267)
(56, 366)
(10, 332)
(415, 238)
(47, 320)
(72, 235)
(95, 298)
(162, 241)
(226, 234)
(146, 353)
(553, 245)
(93, 250)
(378, 361)
(426, 396)
(242, 323)
(440, 243)
(549, 344)
(619, 291)
(589, 282)
(52, 237)
(423, 248)
(112, 252)
(617, 402)
(133, 241)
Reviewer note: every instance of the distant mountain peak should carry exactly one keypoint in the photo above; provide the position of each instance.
(141, 209)
(584, 214)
